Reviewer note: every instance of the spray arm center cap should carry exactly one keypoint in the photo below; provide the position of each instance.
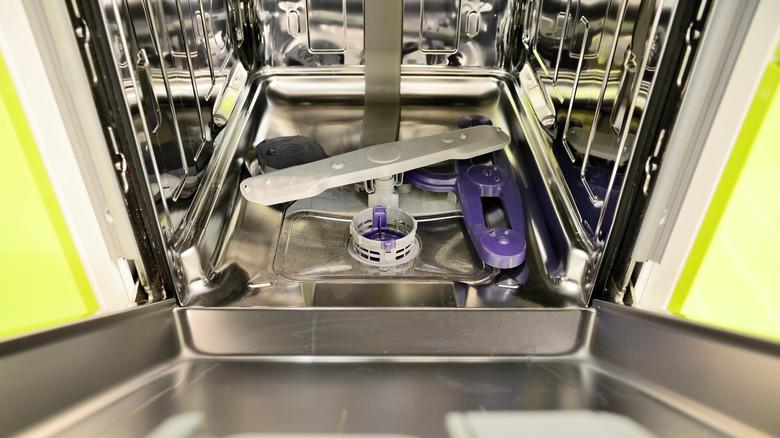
(383, 154)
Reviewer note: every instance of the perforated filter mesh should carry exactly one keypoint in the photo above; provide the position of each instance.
(389, 244)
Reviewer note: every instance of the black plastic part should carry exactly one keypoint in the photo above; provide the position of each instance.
(300, 56)
(472, 120)
(283, 152)
(409, 48)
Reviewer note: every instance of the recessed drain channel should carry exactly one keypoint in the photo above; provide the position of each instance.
(383, 236)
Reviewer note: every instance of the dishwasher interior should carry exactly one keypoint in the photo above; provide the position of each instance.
(387, 217)
(202, 97)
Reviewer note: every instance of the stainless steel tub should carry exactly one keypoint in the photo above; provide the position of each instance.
(248, 241)
(418, 372)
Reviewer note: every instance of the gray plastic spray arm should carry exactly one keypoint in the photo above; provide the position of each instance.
(379, 161)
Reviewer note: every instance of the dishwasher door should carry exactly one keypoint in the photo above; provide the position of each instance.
(161, 370)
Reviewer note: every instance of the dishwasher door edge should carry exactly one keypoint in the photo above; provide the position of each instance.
(718, 379)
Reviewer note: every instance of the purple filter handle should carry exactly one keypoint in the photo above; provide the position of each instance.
(379, 221)
(379, 230)
(502, 248)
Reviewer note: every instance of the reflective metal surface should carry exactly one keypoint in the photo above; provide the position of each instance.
(382, 71)
(384, 332)
(206, 80)
(731, 376)
(412, 399)
(282, 255)
(396, 294)
(44, 372)
(391, 371)
(597, 60)
(174, 58)
(325, 33)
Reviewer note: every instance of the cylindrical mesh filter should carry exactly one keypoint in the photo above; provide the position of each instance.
(383, 236)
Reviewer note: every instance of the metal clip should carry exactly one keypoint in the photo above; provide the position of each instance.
(543, 107)
(651, 165)
(692, 36)
(368, 186)
(121, 165)
(83, 34)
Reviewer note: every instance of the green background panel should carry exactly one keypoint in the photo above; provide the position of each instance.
(42, 281)
(730, 278)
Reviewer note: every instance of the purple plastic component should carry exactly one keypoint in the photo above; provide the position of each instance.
(379, 222)
(502, 248)
(379, 230)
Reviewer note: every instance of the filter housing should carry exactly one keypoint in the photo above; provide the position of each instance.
(383, 237)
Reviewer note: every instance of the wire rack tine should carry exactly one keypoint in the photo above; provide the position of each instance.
(635, 95)
(525, 37)
(565, 137)
(541, 63)
(531, 8)
(148, 11)
(206, 42)
(597, 113)
(538, 18)
(142, 117)
(560, 43)
(145, 72)
(194, 83)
